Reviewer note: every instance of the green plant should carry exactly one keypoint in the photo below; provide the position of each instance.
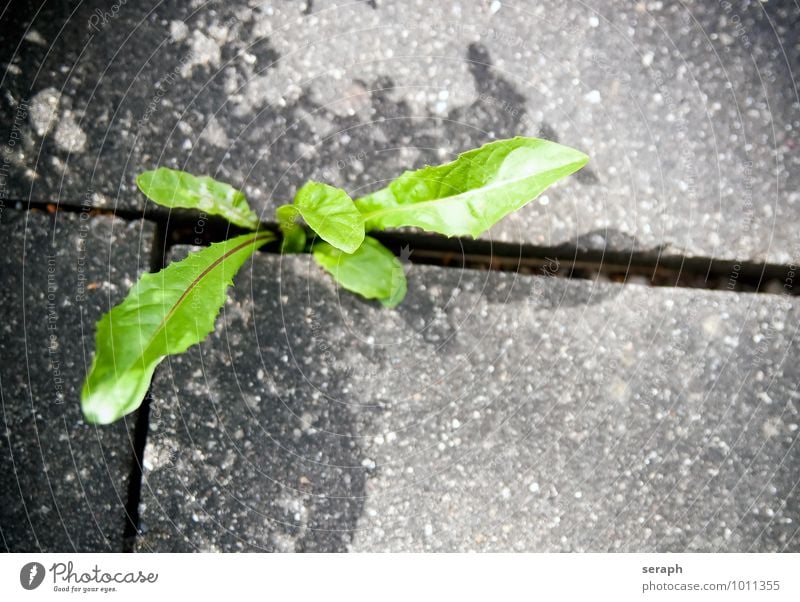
(168, 311)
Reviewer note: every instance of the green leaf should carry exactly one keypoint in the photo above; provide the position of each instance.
(372, 271)
(294, 235)
(331, 214)
(164, 313)
(178, 189)
(472, 193)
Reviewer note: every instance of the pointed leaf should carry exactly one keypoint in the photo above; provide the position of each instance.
(372, 271)
(472, 193)
(331, 214)
(294, 235)
(178, 189)
(164, 313)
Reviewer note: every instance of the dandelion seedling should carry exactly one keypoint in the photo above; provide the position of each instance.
(167, 312)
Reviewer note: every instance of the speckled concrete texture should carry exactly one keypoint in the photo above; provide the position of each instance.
(689, 110)
(63, 483)
(489, 412)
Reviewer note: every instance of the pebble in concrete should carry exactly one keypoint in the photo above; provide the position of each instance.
(488, 412)
(63, 483)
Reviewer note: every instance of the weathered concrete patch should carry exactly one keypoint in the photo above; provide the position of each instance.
(488, 412)
(63, 483)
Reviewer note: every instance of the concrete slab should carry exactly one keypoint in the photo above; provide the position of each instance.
(488, 412)
(63, 483)
(689, 112)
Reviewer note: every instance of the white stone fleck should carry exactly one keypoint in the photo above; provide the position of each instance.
(35, 37)
(771, 428)
(69, 136)
(712, 325)
(204, 52)
(215, 134)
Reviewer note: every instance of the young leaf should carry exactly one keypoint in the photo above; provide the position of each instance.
(331, 214)
(178, 189)
(372, 271)
(164, 313)
(472, 193)
(294, 235)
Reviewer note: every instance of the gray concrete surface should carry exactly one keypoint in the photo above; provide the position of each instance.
(488, 412)
(689, 111)
(63, 483)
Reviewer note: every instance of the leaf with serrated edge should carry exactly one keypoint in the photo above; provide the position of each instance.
(164, 314)
(469, 195)
(372, 271)
(330, 212)
(178, 189)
